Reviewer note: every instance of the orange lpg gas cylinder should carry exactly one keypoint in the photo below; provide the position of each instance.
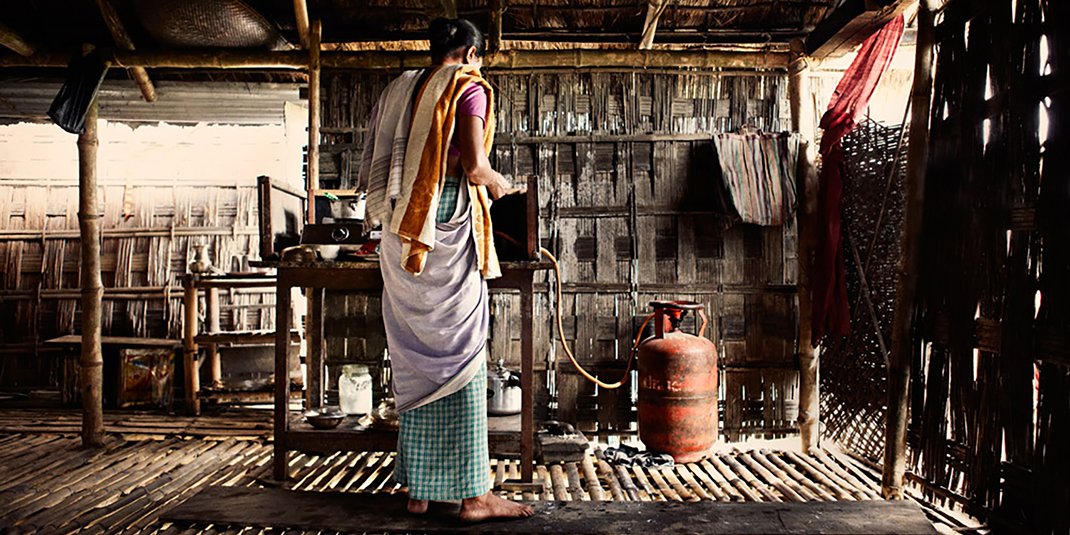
(677, 385)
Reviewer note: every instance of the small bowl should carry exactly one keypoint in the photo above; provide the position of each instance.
(324, 419)
(301, 254)
(328, 252)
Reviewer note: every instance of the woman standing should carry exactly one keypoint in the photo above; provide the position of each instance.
(430, 185)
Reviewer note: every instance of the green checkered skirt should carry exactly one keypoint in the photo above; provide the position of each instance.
(442, 446)
(447, 201)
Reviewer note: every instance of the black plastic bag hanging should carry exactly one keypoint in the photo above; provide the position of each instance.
(84, 76)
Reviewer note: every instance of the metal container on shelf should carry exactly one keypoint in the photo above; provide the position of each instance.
(503, 391)
(677, 406)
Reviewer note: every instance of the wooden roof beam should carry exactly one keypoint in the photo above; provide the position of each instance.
(123, 41)
(18, 44)
(301, 16)
(850, 24)
(654, 9)
(366, 60)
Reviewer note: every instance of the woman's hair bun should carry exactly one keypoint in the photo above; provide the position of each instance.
(447, 36)
(442, 31)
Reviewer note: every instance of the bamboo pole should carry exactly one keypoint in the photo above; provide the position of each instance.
(494, 43)
(122, 40)
(713, 490)
(189, 344)
(560, 483)
(654, 9)
(895, 445)
(143, 232)
(594, 485)
(211, 313)
(615, 490)
(547, 493)
(301, 19)
(367, 60)
(626, 483)
(15, 42)
(92, 361)
(313, 174)
(802, 121)
(574, 486)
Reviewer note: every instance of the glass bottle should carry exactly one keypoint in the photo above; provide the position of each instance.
(355, 389)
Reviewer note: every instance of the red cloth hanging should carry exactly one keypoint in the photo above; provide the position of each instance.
(831, 312)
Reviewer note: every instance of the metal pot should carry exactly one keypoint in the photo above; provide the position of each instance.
(503, 391)
(348, 208)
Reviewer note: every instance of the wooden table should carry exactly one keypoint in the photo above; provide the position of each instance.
(293, 435)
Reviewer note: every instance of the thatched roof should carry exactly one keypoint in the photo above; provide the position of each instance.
(61, 24)
(268, 40)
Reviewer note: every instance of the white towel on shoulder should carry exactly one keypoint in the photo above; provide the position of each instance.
(383, 158)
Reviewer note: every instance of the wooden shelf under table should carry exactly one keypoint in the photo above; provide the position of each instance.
(503, 435)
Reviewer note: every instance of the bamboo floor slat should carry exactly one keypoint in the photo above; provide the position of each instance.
(51, 485)
(238, 423)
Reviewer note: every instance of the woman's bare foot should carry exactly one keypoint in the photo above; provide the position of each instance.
(489, 507)
(417, 507)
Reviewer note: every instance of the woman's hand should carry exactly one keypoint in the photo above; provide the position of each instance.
(497, 190)
(473, 156)
(474, 159)
(500, 188)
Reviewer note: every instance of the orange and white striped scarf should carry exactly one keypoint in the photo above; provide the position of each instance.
(433, 119)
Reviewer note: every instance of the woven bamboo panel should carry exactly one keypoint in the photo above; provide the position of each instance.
(853, 375)
(990, 407)
(633, 209)
(148, 236)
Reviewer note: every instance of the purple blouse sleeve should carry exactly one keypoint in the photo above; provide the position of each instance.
(473, 102)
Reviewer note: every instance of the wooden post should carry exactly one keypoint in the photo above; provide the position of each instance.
(281, 454)
(802, 121)
(263, 216)
(895, 445)
(315, 387)
(527, 379)
(211, 313)
(313, 175)
(314, 311)
(189, 346)
(92, 360)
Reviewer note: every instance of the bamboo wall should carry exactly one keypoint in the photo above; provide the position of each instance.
(990, 411)
(854, 376)
(163, 189)
(631, 204)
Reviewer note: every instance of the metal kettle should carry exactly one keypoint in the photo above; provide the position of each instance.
(503, 391)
